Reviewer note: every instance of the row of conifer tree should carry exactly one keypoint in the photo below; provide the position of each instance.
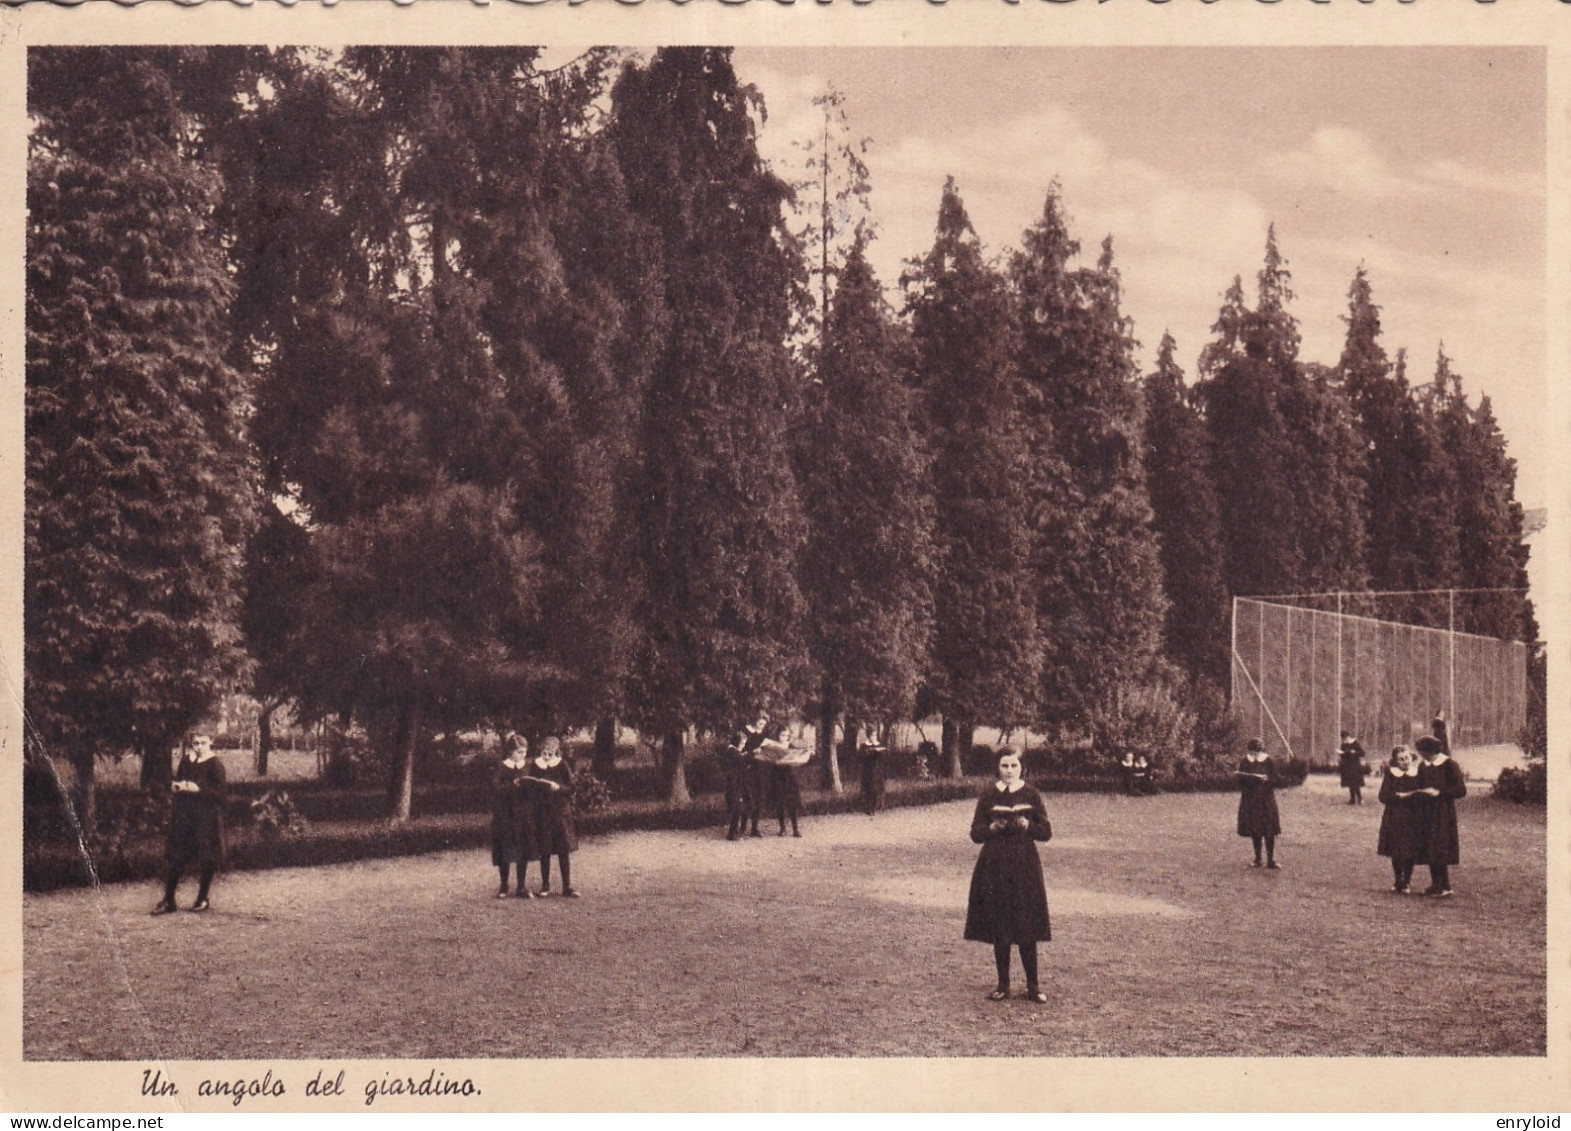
(431, 389)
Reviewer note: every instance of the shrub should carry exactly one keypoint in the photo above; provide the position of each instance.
(274, 814)
(1525, 785)
(1147, 718)
(1218, 738)
(590, 794)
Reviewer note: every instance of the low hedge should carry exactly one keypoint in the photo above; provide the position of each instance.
(52, 864)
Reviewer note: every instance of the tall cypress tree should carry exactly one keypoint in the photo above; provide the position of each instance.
(139, 486)
(721, 522)
(1490, 551)
(1410, 527)
(1287, 459)
(869, 564)
(420, 445)
(1325, 457)
(1101, 603)
(1251, 457)
(1183, 502)
(987, 653)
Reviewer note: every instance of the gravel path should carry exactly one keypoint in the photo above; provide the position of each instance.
(843, 943)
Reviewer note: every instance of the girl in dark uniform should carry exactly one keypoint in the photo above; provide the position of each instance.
(513, 814)
(196, 822)
(1008, 902)
(1400, 831)
(757, 773)
(1257, 814)
(1127, 769)
(554, 817)
(739, 777)
(1351, 766)
(1440, 784)
(784, 789)
(871, 754)
(1145, 776)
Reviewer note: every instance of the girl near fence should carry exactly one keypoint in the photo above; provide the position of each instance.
(1257, 813)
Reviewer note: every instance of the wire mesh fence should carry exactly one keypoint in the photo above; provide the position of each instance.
(1302, 675)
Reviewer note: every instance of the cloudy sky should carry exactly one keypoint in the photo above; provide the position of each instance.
(1426, 165)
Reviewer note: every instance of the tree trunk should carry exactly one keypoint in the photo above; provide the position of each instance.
(967, 741)
(951, 748)
(157, 768)
(85, 793)
(824, 739)
(676, 773)
(848, 748)
(264, 737)
(604, 759)
(403, 804)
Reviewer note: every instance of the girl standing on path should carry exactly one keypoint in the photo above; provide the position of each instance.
(557, 834)
(1257, 814)
(1008, 902)
(1440, 784)
(1352, 766)
(512, 814)
(196, 822)
(784, 789)
(1400, 828)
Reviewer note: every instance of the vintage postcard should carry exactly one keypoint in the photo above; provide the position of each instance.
(782, 557)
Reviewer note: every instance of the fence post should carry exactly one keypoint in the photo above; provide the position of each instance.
(1339, 664)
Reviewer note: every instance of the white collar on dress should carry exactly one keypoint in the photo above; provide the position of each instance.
(1257, 757)
(1016, 787)
(1439, 760)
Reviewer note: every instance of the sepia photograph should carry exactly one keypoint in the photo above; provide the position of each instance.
(724, 550)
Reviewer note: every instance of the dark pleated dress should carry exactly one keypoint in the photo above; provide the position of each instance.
(1438, 814)
(196, 820)
(513, 826)
(1350, 764)
(1257, 814)
(1008, 901)
(554, 813)
(1401, 828)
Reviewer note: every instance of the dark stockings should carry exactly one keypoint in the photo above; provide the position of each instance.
(1270, 842)
(545, 872)
(172, 881)
(503, 868)
(1402, 873)
(1439, 877)
(1027, 963)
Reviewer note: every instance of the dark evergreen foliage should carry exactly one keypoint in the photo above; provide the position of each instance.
(987, 657)
(424, 388)
(1098, 575)
(1184, 508)
(868, 569)
(140, 492)
(720, 519)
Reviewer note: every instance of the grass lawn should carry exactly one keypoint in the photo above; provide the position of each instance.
(844, 943)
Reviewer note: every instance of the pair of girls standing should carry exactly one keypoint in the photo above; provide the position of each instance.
(532, 816)
(1419, 822)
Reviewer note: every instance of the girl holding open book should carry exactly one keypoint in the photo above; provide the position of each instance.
(1257, 813)
(1008, 904)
